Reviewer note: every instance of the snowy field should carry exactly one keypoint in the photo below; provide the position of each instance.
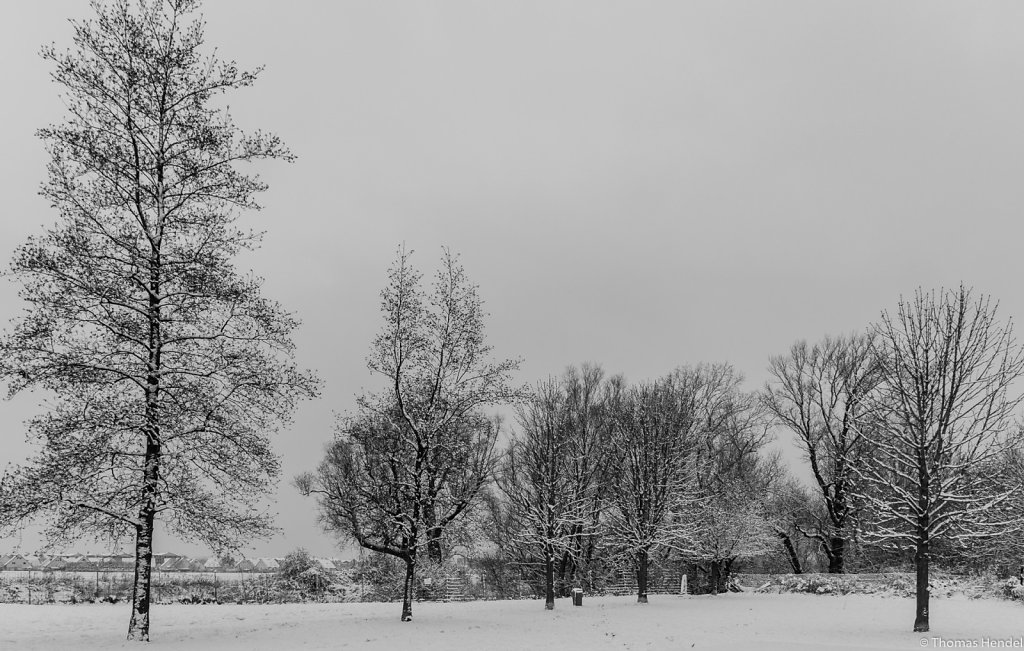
(733, 621)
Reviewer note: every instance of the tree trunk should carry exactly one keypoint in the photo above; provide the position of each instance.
(410, 571)
(549, 581)
(794, 560)
(588, 559)
(921, 561)
(570, 568)
(836, 559)
(922, 554)
(138, 626)
(564, 574)
(716, 575)
(641, 577)
(726, 574)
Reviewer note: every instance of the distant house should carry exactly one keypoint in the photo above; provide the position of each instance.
(195, 565)
(267, 565)
(20, 562)
(246, 565)
(78, 563)
(55, 564)
(112, 562)
(104, 563)
(173, 564)
(123, 562)
(166, 562)
(160, 559)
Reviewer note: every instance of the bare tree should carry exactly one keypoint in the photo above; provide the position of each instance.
(943, 407)
(537, 482)
(554, 473)
(168, 368)
(732, 477)
(731, 530)
(497, 548)
(652, 496)
(372, 485)
(417, 454)
(818, 393)
(590, 400)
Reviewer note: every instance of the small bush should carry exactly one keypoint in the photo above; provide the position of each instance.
(1012, 589)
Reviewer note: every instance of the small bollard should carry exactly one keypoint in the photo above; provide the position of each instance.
(577, 596)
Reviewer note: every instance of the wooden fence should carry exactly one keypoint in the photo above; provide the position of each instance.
(757, 580)
(121, 575)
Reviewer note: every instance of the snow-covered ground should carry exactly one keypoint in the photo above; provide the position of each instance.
(732, 621)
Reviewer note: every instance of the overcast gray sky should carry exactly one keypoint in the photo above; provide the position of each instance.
(642, 184)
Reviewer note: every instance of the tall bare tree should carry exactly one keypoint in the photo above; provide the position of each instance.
(418, 452)
(536, 481)
(943, 408)
(554, 470)
(818, 393)
(652, 496)
(590, 399)
(732, 477)
(167, 367)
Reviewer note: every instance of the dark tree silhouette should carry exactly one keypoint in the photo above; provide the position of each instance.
(652, 497)
(818, 392)
(551, 474)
